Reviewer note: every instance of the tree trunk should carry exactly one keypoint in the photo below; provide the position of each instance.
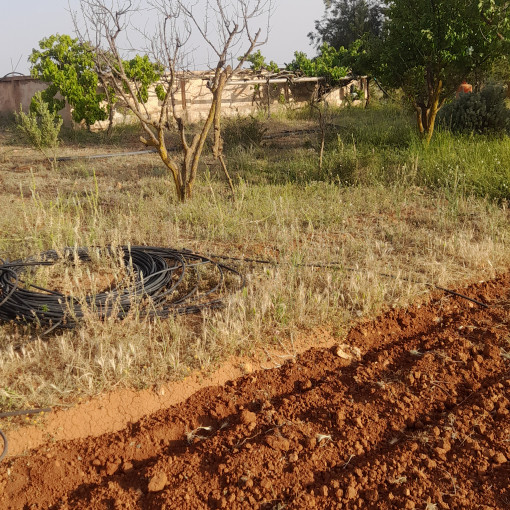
(426, 113)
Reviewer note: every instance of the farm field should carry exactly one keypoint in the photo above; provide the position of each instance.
(254, 405)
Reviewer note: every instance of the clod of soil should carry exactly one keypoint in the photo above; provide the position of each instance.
(421, 419)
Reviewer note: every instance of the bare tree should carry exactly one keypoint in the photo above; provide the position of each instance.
(230, 30)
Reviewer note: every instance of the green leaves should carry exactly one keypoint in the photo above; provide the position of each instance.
(430, 46)
(68, 66)
(330, 63)
(440, 39)
(258, 63)
(142, 73)
(40, 127)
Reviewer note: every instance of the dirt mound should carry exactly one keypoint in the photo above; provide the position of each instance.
(411, 412)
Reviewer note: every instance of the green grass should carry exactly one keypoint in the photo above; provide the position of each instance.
(380, 146)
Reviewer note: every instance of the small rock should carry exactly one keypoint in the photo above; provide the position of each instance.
(307, 384)
(265, 483)
(431, 464)
(441, 452)
(351, 493)
(111, 467)
(247, 367)
(278, 443)
(341, 351)
(248, 417)
(340, 418)
(499, 458)
(158, 482)
(311, 442)
(127, 466)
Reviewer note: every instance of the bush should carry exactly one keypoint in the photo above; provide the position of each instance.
(40, 128)
(482, 112)
(246, 132)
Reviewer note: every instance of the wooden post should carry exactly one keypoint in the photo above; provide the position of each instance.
(183, 94)
(268, 100)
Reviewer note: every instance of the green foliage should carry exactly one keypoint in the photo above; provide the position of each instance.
(40, 127)
(258, 63)
(432, 40)
(346, 21)
(68, 66)
(331, 64)
(483, 112)
(429, 46)
(246, 132)
(142, 73)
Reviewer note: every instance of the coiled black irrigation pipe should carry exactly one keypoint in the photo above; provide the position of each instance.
(169, 280)
(162, 282)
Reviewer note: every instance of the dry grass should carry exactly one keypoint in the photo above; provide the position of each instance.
(367, 231)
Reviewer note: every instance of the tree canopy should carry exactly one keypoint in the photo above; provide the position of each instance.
(72, 69)
(346, 21)
(429, 46)
(68, 66)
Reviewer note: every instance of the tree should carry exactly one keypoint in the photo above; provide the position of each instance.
(346, 21)
(330, 64)
(228, 29)
(69, 68)
(430, 46)
(258, 63)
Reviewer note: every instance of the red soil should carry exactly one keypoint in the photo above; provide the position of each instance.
(412, 412)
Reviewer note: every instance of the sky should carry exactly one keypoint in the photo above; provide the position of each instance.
(25, 22)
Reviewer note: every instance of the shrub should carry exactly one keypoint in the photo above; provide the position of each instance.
(40, 128)
(246, 132)
(482, 112)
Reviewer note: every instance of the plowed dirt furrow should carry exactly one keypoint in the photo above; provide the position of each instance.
(410, 412)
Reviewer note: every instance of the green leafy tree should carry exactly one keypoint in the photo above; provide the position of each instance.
(258, 63)
(142, 73)
(331, 63)
(69, 68)
(429, 46)
(72, 69)
(346, 21)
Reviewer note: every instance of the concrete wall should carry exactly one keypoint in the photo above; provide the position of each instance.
(18, 90)
(242, 96)
(245, 95)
